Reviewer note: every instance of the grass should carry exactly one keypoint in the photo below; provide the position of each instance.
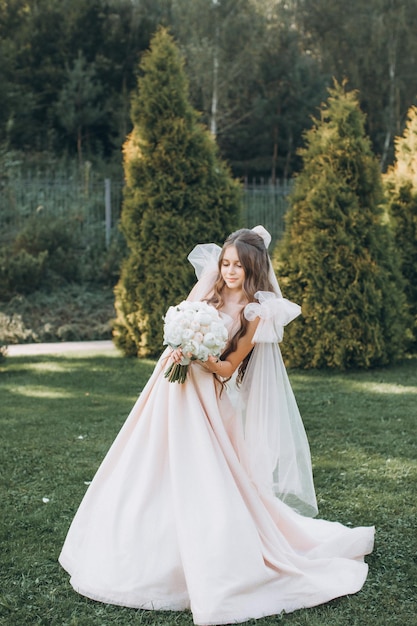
(59, 414)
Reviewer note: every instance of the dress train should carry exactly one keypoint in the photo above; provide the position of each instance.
(173, 519)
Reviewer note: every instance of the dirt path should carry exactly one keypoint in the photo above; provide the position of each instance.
(25, 349)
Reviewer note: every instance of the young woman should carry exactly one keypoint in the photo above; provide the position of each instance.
(201, 502)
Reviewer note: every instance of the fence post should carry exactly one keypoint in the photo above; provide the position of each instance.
(107, 205)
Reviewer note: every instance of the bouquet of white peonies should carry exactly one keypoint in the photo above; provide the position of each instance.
(196, 328)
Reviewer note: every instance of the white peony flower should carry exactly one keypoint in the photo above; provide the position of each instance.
(203, 318)
(186, 335)
(210, 340)
(203, 353)
(198, 337)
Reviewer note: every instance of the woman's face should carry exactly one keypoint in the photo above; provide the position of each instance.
(231, 269)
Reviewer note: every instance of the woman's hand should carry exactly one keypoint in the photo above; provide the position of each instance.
(177, 355)
(211, 364)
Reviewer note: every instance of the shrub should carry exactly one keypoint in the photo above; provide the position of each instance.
(21, 272)
(58, 238)
(401, 185)
(68, 313)
(13, 329)
(178, 193)
(101, 265)
(337, 258)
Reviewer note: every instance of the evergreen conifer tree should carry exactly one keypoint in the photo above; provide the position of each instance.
(401, 185)
(178, 193)
(336, 258)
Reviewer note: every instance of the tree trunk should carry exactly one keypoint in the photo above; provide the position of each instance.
(391, 105)
(79, 145)
(214, 98)
(274, 156)
(288, 157)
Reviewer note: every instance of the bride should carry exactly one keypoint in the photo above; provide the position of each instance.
(204, 500)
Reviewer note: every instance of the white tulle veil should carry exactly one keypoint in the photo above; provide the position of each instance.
(278, 454)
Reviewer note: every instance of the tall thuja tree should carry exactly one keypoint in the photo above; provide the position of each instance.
(401, 185)
(178, 193)
(336, 258)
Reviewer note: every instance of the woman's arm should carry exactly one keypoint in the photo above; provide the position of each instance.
(226, 368)
(195, 291)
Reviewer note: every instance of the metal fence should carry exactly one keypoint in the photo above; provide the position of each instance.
(94, 207)
(266, 204)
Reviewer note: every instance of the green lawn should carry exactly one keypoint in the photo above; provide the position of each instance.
(60, 414)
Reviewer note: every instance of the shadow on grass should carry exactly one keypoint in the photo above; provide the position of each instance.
(373, 411)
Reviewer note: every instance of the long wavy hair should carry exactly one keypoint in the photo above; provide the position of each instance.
(254, 259)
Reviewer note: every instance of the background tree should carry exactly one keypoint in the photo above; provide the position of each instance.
(79, 107)
(220, 43)
(250, 77)
(401, 184)
(285, 89)
(372, 45)
(257, 70)
(44, 38)
(337, 258)
(178, 193)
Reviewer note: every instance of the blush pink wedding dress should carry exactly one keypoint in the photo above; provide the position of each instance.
(178, 516)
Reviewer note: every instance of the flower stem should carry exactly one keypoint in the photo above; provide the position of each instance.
(176, 373)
